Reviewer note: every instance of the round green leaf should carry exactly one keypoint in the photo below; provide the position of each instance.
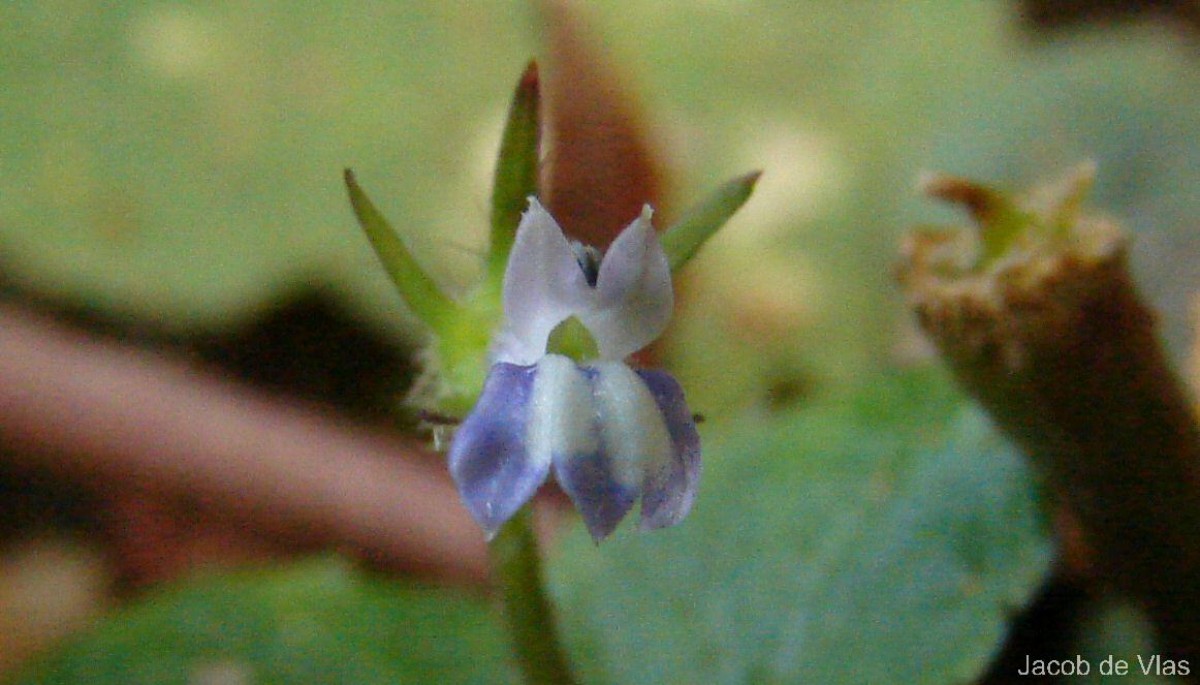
(318, 622)
(875, 541)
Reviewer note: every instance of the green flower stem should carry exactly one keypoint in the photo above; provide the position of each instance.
(527, 610)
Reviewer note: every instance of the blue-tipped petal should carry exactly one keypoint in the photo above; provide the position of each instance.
(602, 501)
(670, 488)
(489, 460)
(566, 426)
(632, 434)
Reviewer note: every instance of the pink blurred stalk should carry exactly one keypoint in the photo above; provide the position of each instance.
(102, 415)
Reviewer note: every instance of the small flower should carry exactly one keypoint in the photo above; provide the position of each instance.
(611, 433)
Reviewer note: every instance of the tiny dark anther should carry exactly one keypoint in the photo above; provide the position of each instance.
(589, 260)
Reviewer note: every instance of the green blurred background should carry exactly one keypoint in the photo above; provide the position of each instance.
(174, 169)
(177, 164)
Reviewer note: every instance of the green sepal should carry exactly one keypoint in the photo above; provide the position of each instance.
(418, 290)
(461, 351)
(516, 176)
(684, 237)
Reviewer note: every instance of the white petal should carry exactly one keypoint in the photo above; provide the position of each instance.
(633, 299)
(562, 415)
(543, 285)
(632, 427)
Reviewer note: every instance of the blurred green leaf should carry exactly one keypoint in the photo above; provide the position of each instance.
(516, 175)
(176, 164)
(419, 291)
(317, 622)
(172, 161)
(683, 238)
(887, 538)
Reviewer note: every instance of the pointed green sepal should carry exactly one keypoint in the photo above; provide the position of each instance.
(683, 238)
(516, 169)
(418, 290)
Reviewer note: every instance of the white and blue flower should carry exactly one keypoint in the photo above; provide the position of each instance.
(611, 434)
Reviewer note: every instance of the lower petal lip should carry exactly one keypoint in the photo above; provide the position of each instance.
(602, 500)
(611, 434)
(488, 459)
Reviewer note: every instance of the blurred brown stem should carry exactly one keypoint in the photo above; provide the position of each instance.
(1056, 343)
(601, 166)
(100, 414)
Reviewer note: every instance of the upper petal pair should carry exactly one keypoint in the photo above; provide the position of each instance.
(544, 284)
